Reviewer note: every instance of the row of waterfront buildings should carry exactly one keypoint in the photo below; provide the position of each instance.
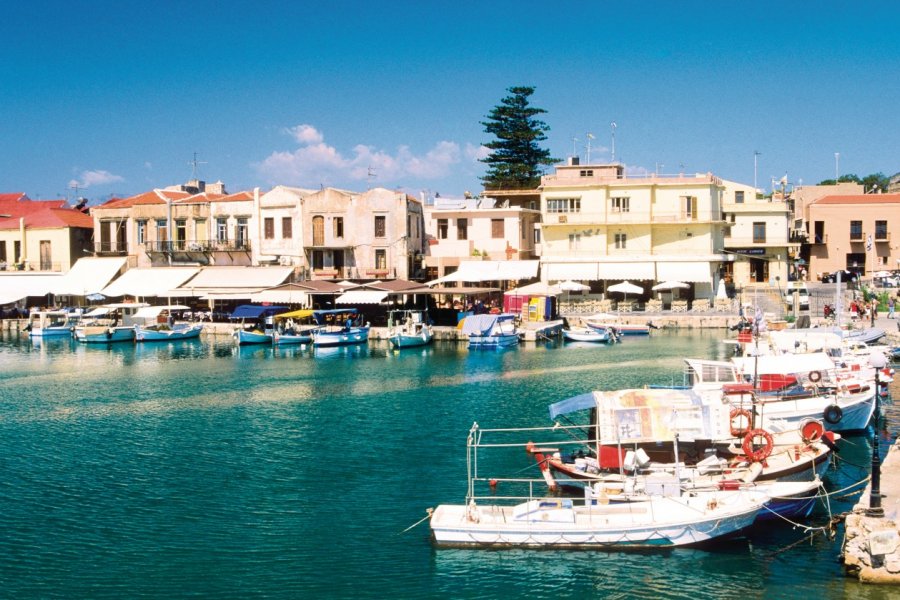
(592, 223)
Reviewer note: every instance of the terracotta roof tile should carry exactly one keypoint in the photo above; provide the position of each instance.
(860, 199)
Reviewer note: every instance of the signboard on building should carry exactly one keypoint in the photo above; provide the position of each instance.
(750, 251)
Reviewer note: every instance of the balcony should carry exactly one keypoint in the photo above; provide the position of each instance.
(819, 240)
(882, 236)
(110, 249)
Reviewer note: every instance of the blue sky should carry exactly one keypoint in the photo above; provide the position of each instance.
(118, 96)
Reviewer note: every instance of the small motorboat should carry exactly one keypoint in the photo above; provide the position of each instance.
(599, 335)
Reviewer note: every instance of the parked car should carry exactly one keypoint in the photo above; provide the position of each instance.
(802, 291)
(846, 276)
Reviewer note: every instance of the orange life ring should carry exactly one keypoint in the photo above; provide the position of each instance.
(739, 412)
(811, 431)
(761, 453)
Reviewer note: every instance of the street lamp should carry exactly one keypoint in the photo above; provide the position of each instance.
(877, 361)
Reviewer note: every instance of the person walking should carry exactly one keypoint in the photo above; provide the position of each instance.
(891, 302)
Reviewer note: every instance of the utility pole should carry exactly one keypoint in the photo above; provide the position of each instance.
(612, 126)
(756, 154)
(837, 159)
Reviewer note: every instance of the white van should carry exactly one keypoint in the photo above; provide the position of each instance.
(803, 293)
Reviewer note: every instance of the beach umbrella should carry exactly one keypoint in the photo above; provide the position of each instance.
(668, 286)
(721, 294)
(625, 288)
(572, 286)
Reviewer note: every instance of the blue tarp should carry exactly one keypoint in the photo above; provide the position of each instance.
(255, 311)
(569, 405)
(482, 324)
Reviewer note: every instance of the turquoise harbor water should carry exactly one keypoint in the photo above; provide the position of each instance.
(204, 470)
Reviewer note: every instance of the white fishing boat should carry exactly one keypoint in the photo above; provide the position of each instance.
(339, 327)
(601, 320)
(256, 323)
(159, 325)
(294, 327)
(409, 328)
(597, 335)
(51, 323)
(491, 331)
(662, 514)
(108, 324)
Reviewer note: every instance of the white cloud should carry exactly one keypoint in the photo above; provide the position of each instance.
(476, 153)
(91, 178)
(315, 162)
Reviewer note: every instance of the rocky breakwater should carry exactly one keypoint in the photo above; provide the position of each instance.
(871, 549)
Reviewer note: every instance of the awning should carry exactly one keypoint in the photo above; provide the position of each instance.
(361, 297)
(697, 272)
(15, 286)
(491, 270)
(570, 405)
(539, 288)
(587, 271)
(296, 314)
(151, 312)
(89, 276)
(155, 281)
(254, 311)
(239, 278)
(280, 296)
(628, 270)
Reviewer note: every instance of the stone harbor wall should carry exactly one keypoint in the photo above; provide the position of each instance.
(871, 549)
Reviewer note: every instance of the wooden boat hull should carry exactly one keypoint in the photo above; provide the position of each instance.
(244, 338)
(101, 334)
(343, 337)
(559, 523)
(188, 332)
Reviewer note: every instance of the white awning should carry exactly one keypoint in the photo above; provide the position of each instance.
(491, 270)
(281, 297)
(361, 297)
(155, 281)
(627, 270)
(89, 276)
(697, 272)
(561, 271)
(240, 277)
(15, 286)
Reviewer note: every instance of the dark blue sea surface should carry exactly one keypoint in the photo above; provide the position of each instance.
(197, 469)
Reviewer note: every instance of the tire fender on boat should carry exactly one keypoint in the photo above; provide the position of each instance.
(833, 414)
(761, 453)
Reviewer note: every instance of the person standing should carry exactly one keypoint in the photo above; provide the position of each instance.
(891, 307)
(873, 306)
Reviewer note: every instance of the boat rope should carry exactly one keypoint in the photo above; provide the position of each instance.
(429, 512)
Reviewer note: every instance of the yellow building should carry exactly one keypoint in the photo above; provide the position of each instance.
(601, 225)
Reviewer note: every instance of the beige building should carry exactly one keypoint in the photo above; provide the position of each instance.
(497, 227)
(601, 225)
(41, 235)
(858, 233)
(757, 235)
(378, 234)
(801, 197)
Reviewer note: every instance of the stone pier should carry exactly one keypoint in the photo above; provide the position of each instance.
(871, 548)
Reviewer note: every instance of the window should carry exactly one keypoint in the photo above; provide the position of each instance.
(269, 228)
(318, 259)
(242, 239)
(726, 231)
(442, 229)
(620, 239)
(563, 205)
(2, 252)
(574, 241)
(497, 228)
(462, 229)
(739, 197)
(689, 207)
(162, 230)
(381, 259)
(221, 230)
(881, 232)
(620, 204)
(287, 228)
(17, 252)
(537, 236)
(141, 233)
(380, 225)
(819, 232)
(586, 173)
(180, 233)
(318, 225)
(856, 232)
(338, 225)
(759, 232)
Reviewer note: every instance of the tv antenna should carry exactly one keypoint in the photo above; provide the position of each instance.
(74, 186)
(370, 175)
(195, 164)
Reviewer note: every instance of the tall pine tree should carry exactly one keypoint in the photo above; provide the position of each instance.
(516, 157)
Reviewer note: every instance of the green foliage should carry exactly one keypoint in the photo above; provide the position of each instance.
(516, 157)
(869, 182)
